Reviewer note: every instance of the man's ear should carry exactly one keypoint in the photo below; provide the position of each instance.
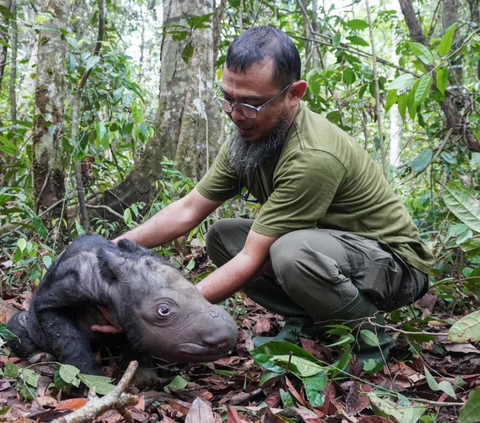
(296, 92)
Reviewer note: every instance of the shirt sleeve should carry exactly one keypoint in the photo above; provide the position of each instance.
(219, 183)
(305, 185)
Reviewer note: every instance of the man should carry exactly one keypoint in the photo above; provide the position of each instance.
(332, 243)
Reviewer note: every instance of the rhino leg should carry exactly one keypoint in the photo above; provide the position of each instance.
(146, 375)
(66, 341)
(24, 346)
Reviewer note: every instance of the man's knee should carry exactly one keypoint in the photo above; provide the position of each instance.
(226, 238)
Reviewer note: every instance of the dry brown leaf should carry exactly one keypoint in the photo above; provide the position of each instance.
(462, 348)
(47, 401)
(180, 406)
(72, 404)
(140, 405)
(355, 368)
(267, 416)
(295, 393)
(373, 419)
(200, 412)
(356, 400)
(232, 415)
(262, 325)
(273, 399)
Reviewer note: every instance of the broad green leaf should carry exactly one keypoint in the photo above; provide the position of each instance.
(348, 76)
(359, 41)
(420, 162)
(313, 82)
(462, 202)
(10, 370)
(21, 244)
(391, 99)
(411, 106)
(298, 366)
(446, 42)
(30, 377)
(399, 414)
(402, 82)
(334, 116)
(402, 105)
(5, 333)
(287, 400)
(92, 62)
(442, 79)
(432, 383)
(314, 385)
(127, 216)
(471, 409)
(71, 62)
(447, 388)
(47, 261)
(422, 52)
(475, 160)
(423, 89)
(357, 24)
(336, 39)
(471, 247)
(369, 337)
(5, 11)
(467, 328)
(177, 383)
(187, 52)
(137, 113)
(102, 384)
(68, 373)
(448, 157)
(264, 354)
(118, 93)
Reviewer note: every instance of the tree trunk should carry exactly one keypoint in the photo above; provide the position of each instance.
(187, 123)
(13, 67)
(48, 178)
(4, 38)
(452, 116)
(475, 17)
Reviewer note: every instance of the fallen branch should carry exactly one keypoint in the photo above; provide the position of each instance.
(116, 399)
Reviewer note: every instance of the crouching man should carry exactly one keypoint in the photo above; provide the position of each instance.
(332, 243)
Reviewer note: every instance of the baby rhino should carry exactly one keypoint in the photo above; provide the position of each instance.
(159, 311)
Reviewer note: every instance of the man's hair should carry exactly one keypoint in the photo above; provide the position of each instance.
(262, 43)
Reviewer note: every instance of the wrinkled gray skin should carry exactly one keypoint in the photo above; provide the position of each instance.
(159, 311)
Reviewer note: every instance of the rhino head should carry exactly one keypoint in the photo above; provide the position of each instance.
(162, 313)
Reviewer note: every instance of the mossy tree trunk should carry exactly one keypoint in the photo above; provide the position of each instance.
(48, 177)
(187, 124)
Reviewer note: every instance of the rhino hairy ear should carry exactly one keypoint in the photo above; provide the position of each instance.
(111, 265)
(130, 247)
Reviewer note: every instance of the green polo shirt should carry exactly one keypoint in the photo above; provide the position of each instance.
(322, 178)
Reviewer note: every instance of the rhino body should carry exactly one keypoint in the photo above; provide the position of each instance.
(160, 312)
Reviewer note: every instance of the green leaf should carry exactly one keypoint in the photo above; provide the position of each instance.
(177, 383)
(21, 244)
(423, 89)
(420, 162)
(10, 370)
(68, 373)
(391, 99)
(314, 385)
(369, 337)
(5, 11)
(422, 52)
(29, 377)
(447, 388)
(432, 383)
(402, 105)
(336, 39)
(442, 79)
(137, 113)
(298, 366)
(102, 384)
(402, 82)
(334, 116)
(357, 24)
(127, 216)
(92, 62)
(446, 42)
(475, 160)
(348, 76)
(71, 62)
(313, 82)
(471, 409)
(467, 328)
(6, 334)
(463, 203)
(187, 52)
(359, 41)
(471, 247)
(399, 414)
(287, 400)
(118, 93)
(448, 157)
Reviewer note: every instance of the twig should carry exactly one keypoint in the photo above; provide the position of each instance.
(89, 206)
(116, 399)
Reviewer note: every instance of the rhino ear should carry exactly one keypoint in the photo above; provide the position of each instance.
(111, 265)
(130, 247)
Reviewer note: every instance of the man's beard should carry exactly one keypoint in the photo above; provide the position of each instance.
(244, 156)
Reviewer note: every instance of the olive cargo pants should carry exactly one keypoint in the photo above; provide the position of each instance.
(327, 275)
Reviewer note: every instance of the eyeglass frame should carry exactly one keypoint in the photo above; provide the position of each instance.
(249, 106)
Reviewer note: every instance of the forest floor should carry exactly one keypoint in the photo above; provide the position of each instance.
(230, 389)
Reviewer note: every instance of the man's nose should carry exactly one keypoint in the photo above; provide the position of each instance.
(236, 115)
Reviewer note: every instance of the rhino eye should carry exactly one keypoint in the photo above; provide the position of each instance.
(163, 310)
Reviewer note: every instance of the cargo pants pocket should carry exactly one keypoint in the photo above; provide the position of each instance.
(376, 273)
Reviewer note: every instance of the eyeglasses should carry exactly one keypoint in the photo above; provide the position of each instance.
(244, 109)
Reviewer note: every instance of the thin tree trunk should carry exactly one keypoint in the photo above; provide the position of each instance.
(13, 67)
(453, 117)
(187, 122)
(475, 17)
(4, 38)
(48, 177)
(451, 16)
